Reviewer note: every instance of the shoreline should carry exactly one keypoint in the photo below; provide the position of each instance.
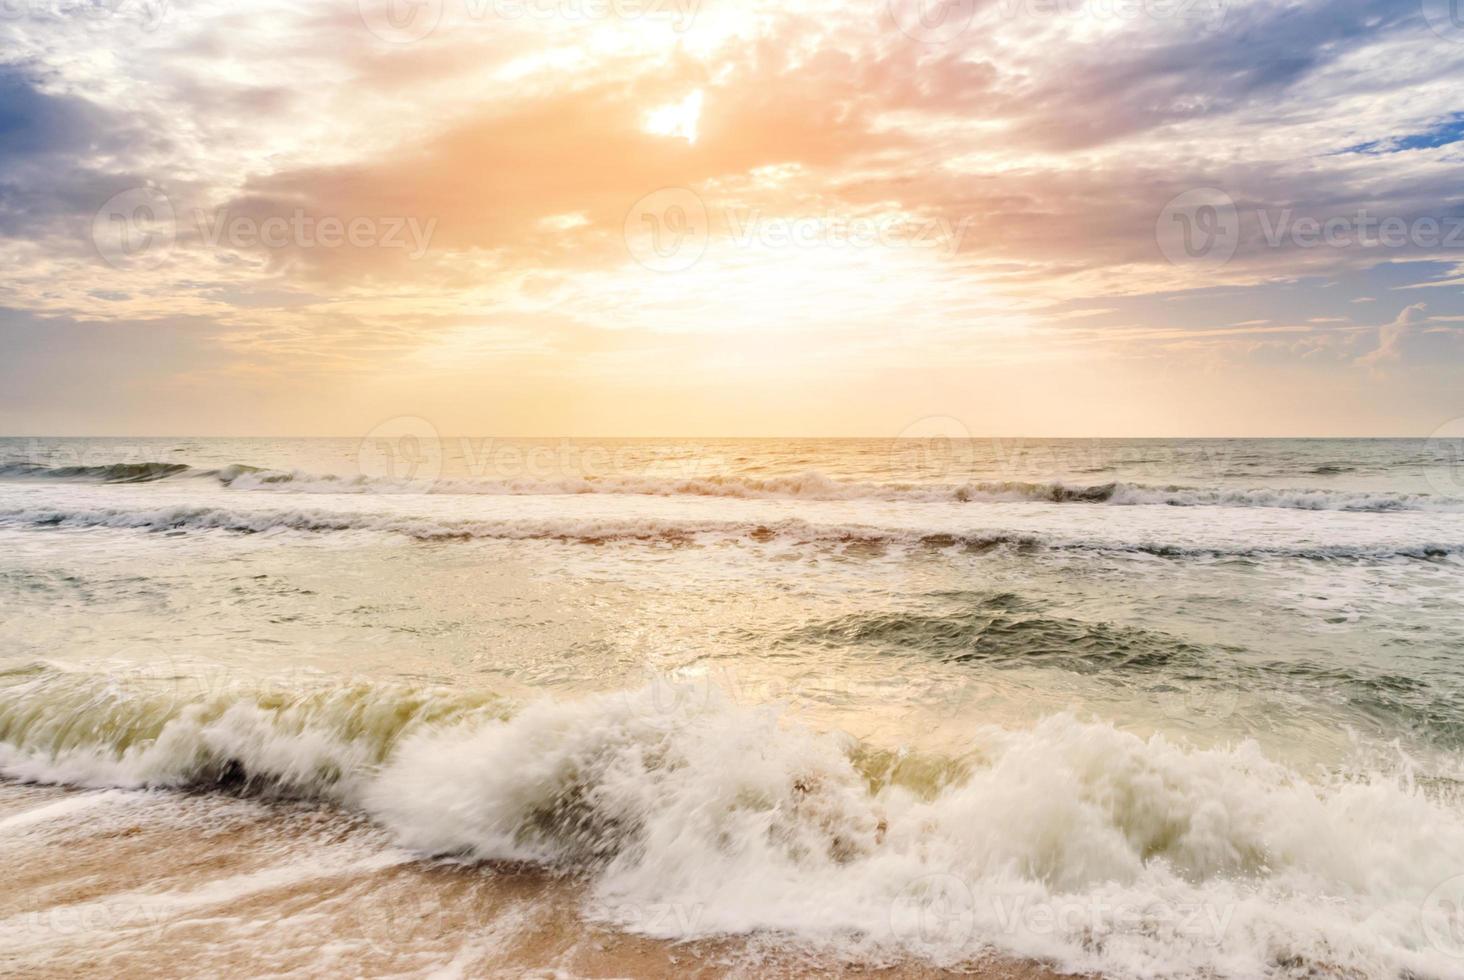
(114, 883)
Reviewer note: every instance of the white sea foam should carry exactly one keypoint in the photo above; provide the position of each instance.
(60, 809)
(813, 485)
(671, 530)
(97, 923)
(1073, 840)
(690, 816)
(809, 485)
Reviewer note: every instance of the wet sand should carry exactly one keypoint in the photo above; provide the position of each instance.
(149, 884)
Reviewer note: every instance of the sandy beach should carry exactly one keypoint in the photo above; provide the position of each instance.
(106, 882)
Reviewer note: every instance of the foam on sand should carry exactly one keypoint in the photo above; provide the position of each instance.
(1070, 841)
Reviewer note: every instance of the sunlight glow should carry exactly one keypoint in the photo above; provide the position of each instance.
(677, 119)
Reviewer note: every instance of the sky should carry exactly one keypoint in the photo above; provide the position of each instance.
(705, 217)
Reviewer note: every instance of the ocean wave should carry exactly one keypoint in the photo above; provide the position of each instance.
(657, 531)
(1004, 629)
(813, 485)
(107, 473)
(167, 728)
(810, 485)
(1069, 840)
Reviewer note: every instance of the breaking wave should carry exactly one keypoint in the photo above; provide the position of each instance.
(791, 531)
(808, 486)
(1070, 840)
(109, 473)
(816, 486)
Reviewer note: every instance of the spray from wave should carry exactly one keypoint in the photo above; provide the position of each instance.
(1070, 840)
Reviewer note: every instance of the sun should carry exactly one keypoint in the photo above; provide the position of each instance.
(678, 119)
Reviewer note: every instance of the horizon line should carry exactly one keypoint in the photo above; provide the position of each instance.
(689, 438)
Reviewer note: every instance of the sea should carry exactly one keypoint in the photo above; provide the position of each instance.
(422, 705)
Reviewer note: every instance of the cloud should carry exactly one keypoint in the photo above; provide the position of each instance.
(60, 157)
(1414, 338)
(1051, 133)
